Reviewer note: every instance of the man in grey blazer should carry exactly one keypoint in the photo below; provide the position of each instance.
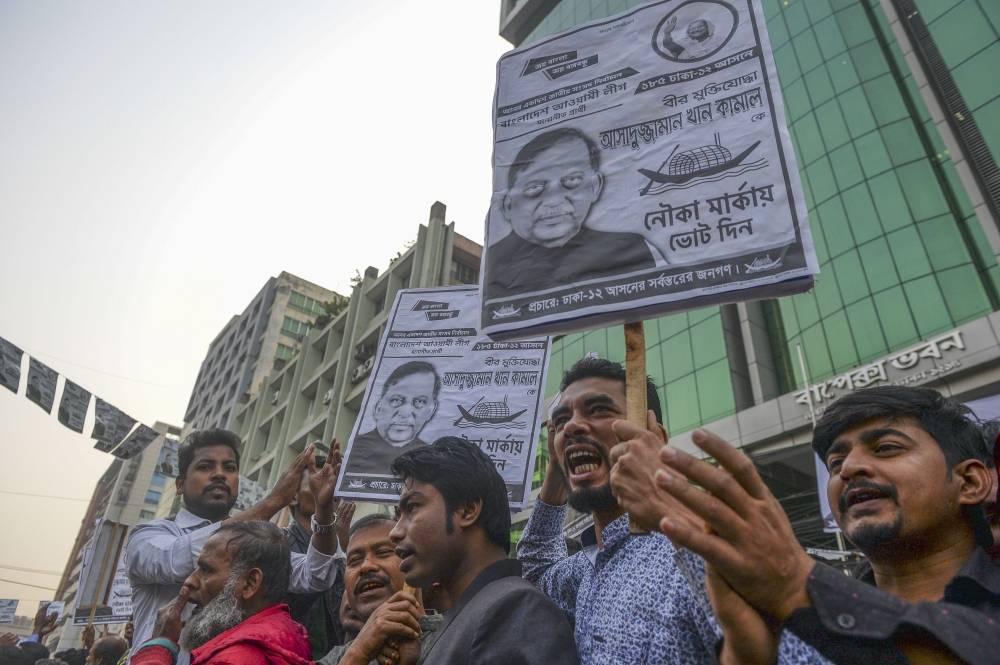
(454, 528)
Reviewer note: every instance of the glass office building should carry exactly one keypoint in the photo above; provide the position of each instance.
(894, 111)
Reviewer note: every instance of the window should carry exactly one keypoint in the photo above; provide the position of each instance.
(463, 274)
(145, 515)
(293, 328)
(305, 304)
(284, 352)
(153, 497)
(159, 480)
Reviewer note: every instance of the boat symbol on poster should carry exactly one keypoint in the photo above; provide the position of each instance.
(490, 414)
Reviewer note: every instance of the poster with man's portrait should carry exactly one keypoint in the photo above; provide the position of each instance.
(434, 375)
(641, 165)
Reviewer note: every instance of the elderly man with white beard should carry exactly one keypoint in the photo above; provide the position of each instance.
(239, 586)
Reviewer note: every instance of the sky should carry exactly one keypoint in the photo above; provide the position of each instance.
(160, 160)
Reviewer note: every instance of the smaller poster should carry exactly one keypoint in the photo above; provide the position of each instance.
(41, 384)
(111, 425)
(120, 598)
(51, 607)
(73, 406)
(435, 375)
(8, 606)
(251, 492)
(169, 464)
(10, 365)
(135, 442)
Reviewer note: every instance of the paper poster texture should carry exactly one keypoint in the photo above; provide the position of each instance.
(110, 425)
(435, 375)
(250, 493)
(101, 587)
(73, 406)
(169, 463)
(642, 165)
(8, 606)
(135, 442)
(10, 365)
(41, 384)
(51, 607)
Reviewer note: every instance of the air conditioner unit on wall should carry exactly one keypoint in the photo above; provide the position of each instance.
(328, 396)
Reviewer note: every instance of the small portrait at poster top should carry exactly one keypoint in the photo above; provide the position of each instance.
(695, 30)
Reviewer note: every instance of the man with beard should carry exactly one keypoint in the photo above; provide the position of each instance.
(633, 598)
(239, 583)
(909, 473)
(391, 617)
(454, 528)
(162, 553)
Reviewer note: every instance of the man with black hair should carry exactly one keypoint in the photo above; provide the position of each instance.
(162, 553)
(552, 186)
(108, 650)
(239, 586)
(374, 592)
(909, 473)
(408, 401)
(633, 598)
(454, 528)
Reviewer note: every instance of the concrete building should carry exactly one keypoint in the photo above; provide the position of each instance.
(317, 395)
(128, 493)
(252, 345)
(894, 110)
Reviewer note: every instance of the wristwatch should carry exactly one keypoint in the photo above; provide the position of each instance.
(322, 529)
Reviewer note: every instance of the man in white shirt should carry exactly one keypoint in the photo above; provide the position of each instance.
(162, 553)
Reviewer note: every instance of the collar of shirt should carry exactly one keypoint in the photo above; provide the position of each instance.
(492, 573)
(185, 519)
(977, 580)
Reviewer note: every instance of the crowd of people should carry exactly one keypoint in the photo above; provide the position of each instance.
(691, 559)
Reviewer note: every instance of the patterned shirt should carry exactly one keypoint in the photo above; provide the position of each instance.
(638, 600)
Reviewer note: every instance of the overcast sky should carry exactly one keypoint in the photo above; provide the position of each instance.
(160, 160)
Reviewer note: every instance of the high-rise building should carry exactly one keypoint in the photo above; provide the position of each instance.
(127, 493)
(894, 112)
(318, 394)
(252, 345)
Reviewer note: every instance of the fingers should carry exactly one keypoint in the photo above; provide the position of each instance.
(304, 459)
(717, 514)
(718, 482)
(733, 460)
(710, 547)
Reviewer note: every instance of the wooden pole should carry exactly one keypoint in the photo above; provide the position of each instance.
(635, 384)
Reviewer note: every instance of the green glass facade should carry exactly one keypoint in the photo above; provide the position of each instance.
(902, 254)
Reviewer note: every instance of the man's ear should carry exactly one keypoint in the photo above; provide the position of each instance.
(466, 515)
(505, 206)
(179, 485)
(976, 482)
(252, 582)
(598, 185)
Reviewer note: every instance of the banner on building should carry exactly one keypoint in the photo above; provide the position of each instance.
(41, 384)
(99, 598)
(641, 165)
(73, 406)
(168, 463)
(111, 425)
(135, 442)
(10, 365)
(250, 493)
(435, 375)
(8, 607)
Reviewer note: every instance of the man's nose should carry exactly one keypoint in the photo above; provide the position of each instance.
(368, 564)
(577, 424)
(191, 583)
(855, 463)
(397, 532)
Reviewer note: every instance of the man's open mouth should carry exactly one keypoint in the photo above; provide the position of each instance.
(217, 488)
(582, 460)
(862, 495)
(369, 584)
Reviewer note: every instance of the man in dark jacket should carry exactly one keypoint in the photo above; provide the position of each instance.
(454, 528)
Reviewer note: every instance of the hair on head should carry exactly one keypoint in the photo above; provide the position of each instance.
(463, 474)
(260, 545)
(536, 146)
(412, 367)
(371, 520)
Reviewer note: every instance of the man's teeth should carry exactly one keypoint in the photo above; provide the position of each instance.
(582, 461)
(584, 468)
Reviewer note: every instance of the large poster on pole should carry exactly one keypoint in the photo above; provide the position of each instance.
(435, 375)
(104, 594)
(641, 162)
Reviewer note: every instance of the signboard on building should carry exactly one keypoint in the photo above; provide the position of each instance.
(641, 165)
(8, 607)
(435, 375)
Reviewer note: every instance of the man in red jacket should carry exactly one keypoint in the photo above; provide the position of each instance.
(239, 583)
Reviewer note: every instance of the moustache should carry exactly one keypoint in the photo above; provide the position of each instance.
(888, 490)
(217, 486)
(371, 577)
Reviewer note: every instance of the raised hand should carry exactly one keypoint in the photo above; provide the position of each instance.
(396, 620)
(749, 540)
(168, 618)
(344, 514)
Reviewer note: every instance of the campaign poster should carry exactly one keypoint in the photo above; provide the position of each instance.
(641, 165)
(73, 406)
(136, 442)
(51, 607)
(168, 463)
(101, 587)
(8, 607)
(10, 365)
(436, 375)
(111, 424)
(41, 384)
